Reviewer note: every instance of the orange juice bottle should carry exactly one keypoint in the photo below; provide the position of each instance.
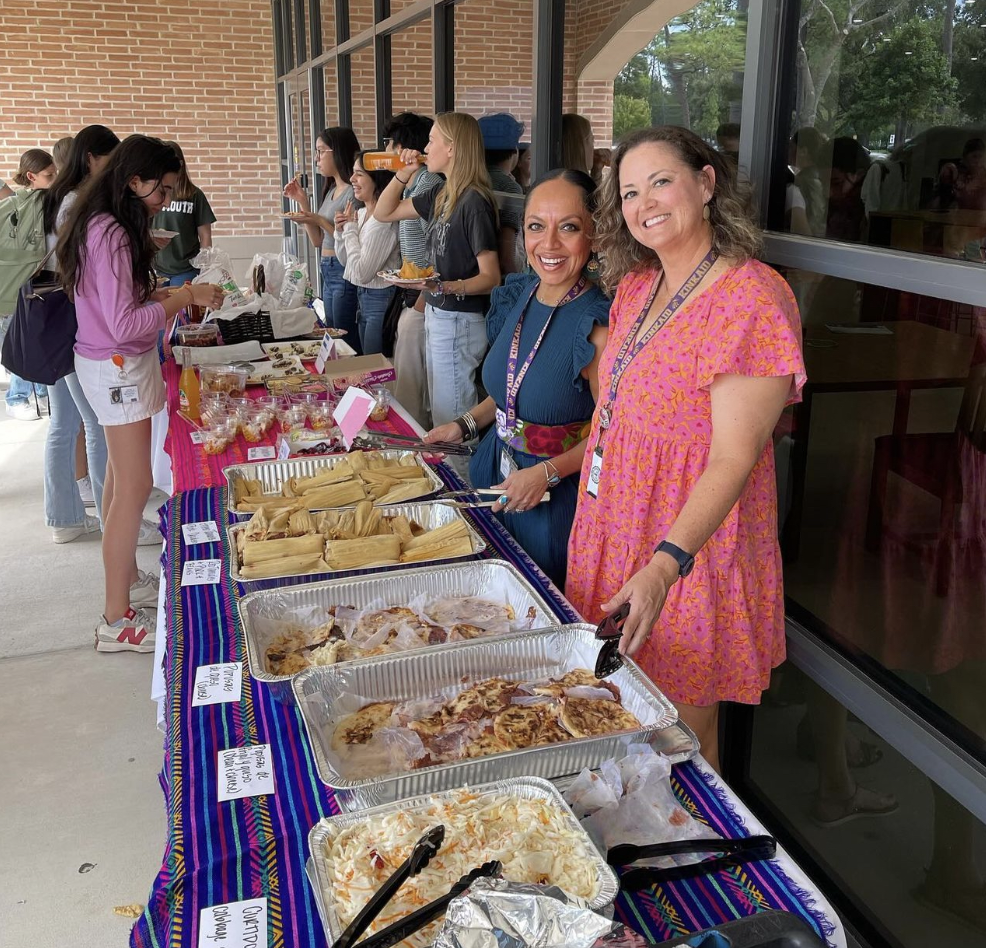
(382, 161)
(188, 389)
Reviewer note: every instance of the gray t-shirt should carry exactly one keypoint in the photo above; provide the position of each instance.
(330, 207)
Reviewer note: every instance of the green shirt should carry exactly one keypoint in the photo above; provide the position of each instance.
(185, 217)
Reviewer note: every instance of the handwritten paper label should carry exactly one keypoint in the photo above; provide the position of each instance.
(234, 925)
(351, 413)
(197, 437)
(264, 452)
(284, 449)
(245, 772)
(216, 684)
(326, 353)
(201, 572)
(205, 531)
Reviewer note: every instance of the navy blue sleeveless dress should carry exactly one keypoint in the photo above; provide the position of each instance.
(553, 393)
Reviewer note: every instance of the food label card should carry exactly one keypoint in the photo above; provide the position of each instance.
(245, 772)
(205, 531)
(327, 353)
(284, 450)
(234, 925)
(263, 452)
(216, 684)
(197, 437)
(351, 413)
(201, 572)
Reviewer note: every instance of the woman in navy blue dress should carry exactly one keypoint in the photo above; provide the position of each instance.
(547, 331)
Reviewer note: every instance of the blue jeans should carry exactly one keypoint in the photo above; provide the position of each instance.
(340, 301)
(373, 305)
(455, 344)
(179, 279)
(69, 409)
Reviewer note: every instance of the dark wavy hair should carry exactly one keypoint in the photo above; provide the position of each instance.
(380, 179)
(109, 192)
(579, 179)
(95, 140)
(409, 130)
(345, 148)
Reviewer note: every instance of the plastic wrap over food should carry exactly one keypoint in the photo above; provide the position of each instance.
(630, 800)
(494, 913)
(214, 266)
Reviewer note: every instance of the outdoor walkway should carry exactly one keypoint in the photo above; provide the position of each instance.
(82, 821)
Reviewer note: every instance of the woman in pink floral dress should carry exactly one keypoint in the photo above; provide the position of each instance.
(677, 504)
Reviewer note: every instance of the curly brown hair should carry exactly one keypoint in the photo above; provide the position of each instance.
(735, 233)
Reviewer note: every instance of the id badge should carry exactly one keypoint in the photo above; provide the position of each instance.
(507, 464)
(123, 394)
(595, 473)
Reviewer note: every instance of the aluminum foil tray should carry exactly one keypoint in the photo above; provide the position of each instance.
(328, 693)
(273, 474)
(528, 788)
(490, 579)
(428, 515)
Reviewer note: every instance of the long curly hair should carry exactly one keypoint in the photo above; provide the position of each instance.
(109, 192)
(735, 233)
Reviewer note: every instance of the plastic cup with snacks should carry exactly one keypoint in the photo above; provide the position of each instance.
(270, 407)
(240, 405)
(252, 424)
(220, 433)
(307, 400)
(293, 419)
(320, 416)
(381, 402)
(203, 334)
(230, 379)
(213, 405)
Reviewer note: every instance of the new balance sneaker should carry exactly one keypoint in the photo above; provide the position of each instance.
(68, 534)
(149, 534)
(24, 411)
(144, 591)
(133, 633)
(85, 491)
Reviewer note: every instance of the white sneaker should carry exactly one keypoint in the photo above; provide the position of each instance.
(23, 411)
(68, 534)
(85, 491)
(133, 633)
(144, 591)
(149, 534)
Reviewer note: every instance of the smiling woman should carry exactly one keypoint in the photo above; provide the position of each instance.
(678, 487)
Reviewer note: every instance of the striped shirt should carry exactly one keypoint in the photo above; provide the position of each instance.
(415, 245)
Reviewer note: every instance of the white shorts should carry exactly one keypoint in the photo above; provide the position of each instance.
(123, 396)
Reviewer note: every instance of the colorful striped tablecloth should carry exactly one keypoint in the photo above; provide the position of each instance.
(257, 847)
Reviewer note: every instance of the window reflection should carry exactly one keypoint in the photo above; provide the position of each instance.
(882, 478)
(412, 58)
(915, 866)
(886, 144)
(364, 97)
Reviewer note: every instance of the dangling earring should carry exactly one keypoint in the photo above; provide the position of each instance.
(592, 266)
(706, 213)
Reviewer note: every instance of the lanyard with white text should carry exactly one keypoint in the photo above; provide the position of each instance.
(514, 377)
(632, 347)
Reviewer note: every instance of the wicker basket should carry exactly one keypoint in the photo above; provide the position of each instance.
(247, 327)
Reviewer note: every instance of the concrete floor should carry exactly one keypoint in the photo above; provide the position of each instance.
(82, 822)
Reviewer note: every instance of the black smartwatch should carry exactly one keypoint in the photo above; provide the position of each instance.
(685, 561)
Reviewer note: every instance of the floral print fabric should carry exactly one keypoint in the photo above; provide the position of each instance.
(722, 628)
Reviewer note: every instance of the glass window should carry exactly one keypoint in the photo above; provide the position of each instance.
(397, 5)
(360, 16)
(915, 870)
(885, 144)
(412, 65)
(331, 84)
(306, 29)
(493, 58)
(882, 481)
(328, 24)
(364, 97)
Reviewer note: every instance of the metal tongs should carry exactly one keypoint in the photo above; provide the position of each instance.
(610, 631)
(374, 440)
(423, 852)
(733, 852)
(449, 497)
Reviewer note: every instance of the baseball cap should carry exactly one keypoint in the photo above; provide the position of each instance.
(501, 131)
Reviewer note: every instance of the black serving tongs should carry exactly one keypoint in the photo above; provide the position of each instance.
(423, 852)
(733, 852)
(609, 631)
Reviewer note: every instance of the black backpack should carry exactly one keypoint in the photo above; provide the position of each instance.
(40, 341)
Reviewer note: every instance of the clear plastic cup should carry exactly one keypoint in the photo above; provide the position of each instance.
(320, 416)
(381, 402)
(306, 400)
(293, 419)
(252, 424)
(213, 405)
(220, 433)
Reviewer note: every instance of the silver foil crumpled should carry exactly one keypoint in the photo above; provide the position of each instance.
(495, 913)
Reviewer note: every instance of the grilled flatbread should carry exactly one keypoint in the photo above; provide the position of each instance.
(483, 699)
(359, 727)
(486, 743)
(518, 726)
(551, 731)
(579, 677)
(588, 717)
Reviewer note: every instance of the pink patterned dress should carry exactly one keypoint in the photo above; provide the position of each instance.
(722, 628)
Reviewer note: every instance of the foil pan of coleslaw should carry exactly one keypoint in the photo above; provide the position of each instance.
(522, 821)
(327, 694)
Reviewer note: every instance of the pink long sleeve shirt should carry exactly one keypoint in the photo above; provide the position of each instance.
(111, 319)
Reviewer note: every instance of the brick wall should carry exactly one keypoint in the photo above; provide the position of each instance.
(201, 74)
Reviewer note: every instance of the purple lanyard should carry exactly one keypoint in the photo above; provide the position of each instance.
(515, 378)
(632, 347)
